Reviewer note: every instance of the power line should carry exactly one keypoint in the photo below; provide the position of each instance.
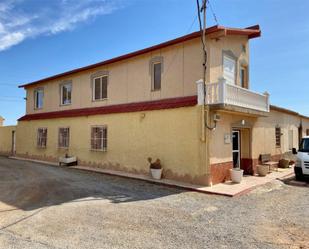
(212, 11)
(176, 52)
(192, 24)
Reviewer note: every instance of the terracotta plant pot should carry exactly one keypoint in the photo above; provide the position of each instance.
(283, 163)
(236, 175)
(262, 170)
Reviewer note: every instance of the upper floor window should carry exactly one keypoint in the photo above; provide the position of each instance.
(278, 136)
(66, 93)
(243, 77)
(38, 98)
(156, 70)
(42, 137)
(99, 138)
(157, 76)
(64, 137)
(100, 87)
(229, 67)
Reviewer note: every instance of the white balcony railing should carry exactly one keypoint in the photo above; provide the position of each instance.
(227, 94)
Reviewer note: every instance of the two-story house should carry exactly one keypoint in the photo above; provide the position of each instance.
(116, 113)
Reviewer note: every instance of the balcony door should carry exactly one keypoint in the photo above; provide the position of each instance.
(236, 148)
(229, 69)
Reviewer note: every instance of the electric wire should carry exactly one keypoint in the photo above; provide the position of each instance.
(203, 38)
(213, 12)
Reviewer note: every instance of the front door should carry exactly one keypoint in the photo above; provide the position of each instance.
(236, 148)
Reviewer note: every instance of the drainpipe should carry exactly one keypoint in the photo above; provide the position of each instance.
(204, 137)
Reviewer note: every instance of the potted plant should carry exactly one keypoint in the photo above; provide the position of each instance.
(262, 170)
(283, 163)
(68, 160)
(291, 163)
(155, 168)
(236, 174)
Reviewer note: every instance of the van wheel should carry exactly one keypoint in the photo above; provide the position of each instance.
(299, 177)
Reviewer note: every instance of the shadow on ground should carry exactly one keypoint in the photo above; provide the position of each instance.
(304, 183)
(28, 186)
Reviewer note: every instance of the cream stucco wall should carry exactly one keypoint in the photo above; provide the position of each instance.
(130, 80)
(233, 44)
(262, 134)
(171, 135)
(6, 139)
(221, 151)
(305, 125)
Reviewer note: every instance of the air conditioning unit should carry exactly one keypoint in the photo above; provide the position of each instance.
(217, 117)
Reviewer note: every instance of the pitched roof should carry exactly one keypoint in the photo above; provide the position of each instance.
(250, 32)
(288, 111)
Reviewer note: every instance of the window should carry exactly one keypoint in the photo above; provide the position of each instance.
(156, 76)
(64, 137)
(66, 93)
(304, 145)
(42, 137)
(229, 69)
(243, 77)
(290, 139)
(278, 137)
(307, 132)
(100, 87)
(155, 71)
(38, 98)
(99, 138)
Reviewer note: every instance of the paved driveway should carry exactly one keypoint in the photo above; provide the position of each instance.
(50, 207)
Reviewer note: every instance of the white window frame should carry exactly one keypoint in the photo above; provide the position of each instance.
(153, 76)
(61, 93)
(229, 55)
(41, 139)
(101, 82)
(68, 139)
(36, 94)
(243, 71)
(102, 147)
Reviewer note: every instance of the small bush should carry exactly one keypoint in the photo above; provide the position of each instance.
(154, 165)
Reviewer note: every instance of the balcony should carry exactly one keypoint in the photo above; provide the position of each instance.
(221, 95)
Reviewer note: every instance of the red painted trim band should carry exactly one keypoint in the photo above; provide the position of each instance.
(122, 108)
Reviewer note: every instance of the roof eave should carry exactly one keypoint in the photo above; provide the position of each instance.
(251, 32)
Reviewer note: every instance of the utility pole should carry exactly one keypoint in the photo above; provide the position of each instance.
(205, 150)
(203, 9)
(205, 108)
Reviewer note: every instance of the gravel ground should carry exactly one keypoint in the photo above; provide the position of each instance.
(50, 207)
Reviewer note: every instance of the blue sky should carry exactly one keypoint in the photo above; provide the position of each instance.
(39, 38)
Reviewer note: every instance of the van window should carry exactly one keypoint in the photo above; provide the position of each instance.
(304, 145)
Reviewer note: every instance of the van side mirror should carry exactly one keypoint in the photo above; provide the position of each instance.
(294, 151)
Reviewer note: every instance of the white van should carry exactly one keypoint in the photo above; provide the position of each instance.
(301, 168)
